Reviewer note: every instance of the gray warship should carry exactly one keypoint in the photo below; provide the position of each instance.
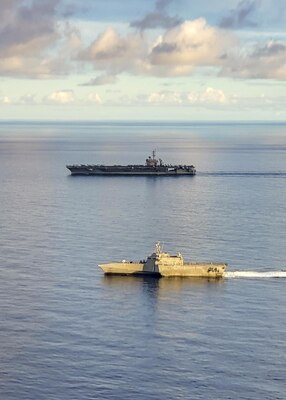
(163, 264)
(152, 167)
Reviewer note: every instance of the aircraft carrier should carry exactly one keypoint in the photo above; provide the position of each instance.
(152, 167)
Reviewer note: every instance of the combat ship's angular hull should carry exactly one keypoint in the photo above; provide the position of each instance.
(164, 264)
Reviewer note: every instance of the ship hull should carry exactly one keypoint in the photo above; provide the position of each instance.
(129, 171)
(126, 268)
(194, 270)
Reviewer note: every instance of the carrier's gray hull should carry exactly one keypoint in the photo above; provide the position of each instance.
(134, 170)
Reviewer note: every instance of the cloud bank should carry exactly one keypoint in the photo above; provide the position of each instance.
(207, 97)
(27, 31)
(175, 53)
(37, 43)
(262, 61)
(114, 53)
(193, 43)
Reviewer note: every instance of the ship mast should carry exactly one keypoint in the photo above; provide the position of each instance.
(158, 248)
(154, 154)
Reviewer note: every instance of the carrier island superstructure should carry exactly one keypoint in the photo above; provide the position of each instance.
(152, 167)
(163, 264)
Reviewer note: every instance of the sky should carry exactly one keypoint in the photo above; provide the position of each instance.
(153, 60)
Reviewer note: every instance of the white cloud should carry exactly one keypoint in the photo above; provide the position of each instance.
(262, 61)
(193, 43)
(208, 99)
(208, 96)
(176, 53)
(5, 100)
(26, 28)
(164, 97)
(61, 97)
(181, 51)
(68, 97)
(94, 98)
(114, 53)
(35, 43)
(26, 31)
(28, 98)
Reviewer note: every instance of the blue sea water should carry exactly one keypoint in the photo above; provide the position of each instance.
(68, 332)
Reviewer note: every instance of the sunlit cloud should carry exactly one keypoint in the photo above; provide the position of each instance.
(28, 99)
(182, 51)
(113, 52)
(262, 61)
(94, 98)
(191, 44)
(35, 43)
(60, 97)
(165, 97)
(176, 53)
(5, 100)
(26, 31)
(69, 97)
(208, 96)
(210, 53)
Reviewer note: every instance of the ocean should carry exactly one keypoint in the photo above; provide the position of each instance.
(68, 332)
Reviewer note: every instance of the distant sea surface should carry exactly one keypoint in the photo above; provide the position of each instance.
(67, 332)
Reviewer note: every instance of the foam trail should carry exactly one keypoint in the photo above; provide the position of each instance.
(255, 274)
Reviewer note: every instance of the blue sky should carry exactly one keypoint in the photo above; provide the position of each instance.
(143, 60)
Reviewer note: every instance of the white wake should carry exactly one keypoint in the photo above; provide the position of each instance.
(255, 274)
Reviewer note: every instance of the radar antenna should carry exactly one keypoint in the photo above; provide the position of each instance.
(158, 248)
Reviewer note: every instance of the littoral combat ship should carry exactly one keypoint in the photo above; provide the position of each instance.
(152, 167)
(163, 264)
